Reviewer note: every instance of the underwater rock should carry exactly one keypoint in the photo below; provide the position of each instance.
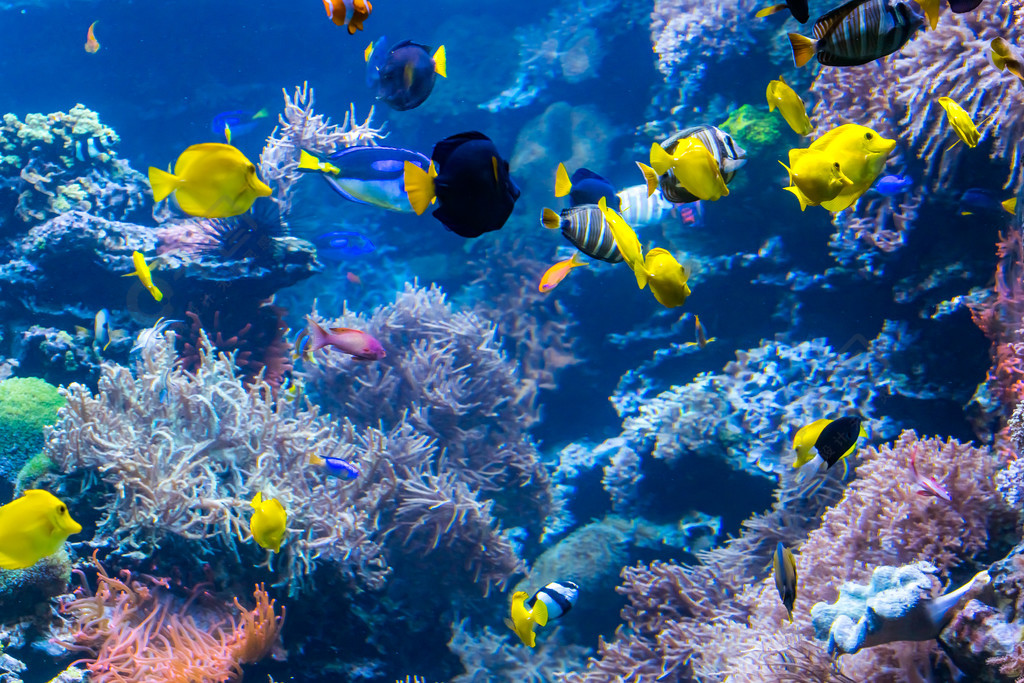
(56, 355)
(22, 591)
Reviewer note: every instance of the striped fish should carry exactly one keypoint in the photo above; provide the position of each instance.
(859, 32)
(639, 210)
(584, 226)
(729, 156)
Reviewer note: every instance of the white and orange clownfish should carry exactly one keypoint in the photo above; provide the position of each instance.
(350, 13)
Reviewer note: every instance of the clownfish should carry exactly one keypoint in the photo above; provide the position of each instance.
(349, 13)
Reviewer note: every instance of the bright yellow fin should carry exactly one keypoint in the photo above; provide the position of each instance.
(563, 186)
(256, 500)
(803, 48)
(539, 613)
(419, 186)
(550, 220)
(768, 11)
(931, 11)
(308, 162)
(650, 177)
(163, 183)
(1010, 205)
(367, 52)
(661, 160)
(441, 62)
(227, 133)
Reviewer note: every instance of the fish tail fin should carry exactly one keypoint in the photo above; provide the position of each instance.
(563, 185)
(308, 162)
(650, 177)
(1010, 205)
(315, 459)
(661, 160)
(549, 219)
(799, 195)
(803, 48)
(419, 186)
(441, 62)
(261, 114)
(578, 260)
(163, 183)
(641, 274)
(317, 335)
(768, 11)
(256, 500)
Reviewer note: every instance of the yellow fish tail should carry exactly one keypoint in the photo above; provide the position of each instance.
(1010, 205)
(441, 62)
(803, 48)
(419, 186)
(563, 186)
(163, 183)
(650, 178)
(768, 11)
(661, 160)
(550, 220)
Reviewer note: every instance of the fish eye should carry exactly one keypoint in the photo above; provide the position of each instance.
(867, 136)
(61, 509)
(836, 165)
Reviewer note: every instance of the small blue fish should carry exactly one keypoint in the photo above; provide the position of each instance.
(342, 244)
(238, 121)
(335, 467)
(892, 185)
(404, 75)
(978, 200)
(367, 175)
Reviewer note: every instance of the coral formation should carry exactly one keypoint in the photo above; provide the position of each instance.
(489, 657)
(27, 405)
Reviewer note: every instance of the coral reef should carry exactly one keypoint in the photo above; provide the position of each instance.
(490, 657)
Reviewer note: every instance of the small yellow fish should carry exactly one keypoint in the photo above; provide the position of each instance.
(269, 522)
(556, 273)
(1007, 57)
(144, 274)
(523, 620)
(659, 269)
(784, 570)
(693, 166)
(33, 527)
(961, 122)
(210, 180)
(861, 154)
(814, 177)
(792, 108)
(1010, 205)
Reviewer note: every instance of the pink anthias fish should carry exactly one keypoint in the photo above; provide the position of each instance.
(359, 345)
(926, 485)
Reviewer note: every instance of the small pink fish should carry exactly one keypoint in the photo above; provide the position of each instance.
(359, 345)
(926, 485)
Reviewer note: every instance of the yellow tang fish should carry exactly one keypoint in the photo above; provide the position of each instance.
(693, 166)
(814, 177)
(269, 522)
(556, 273)
(961, 121)
(659, 269)
(523, 620)
(861, 154)
(790, 105)
(145, 275)
(210, 180)
(32, 527)
(1008, 57)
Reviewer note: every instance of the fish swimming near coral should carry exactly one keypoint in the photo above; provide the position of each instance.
(586, 228)
(335, 467)
(798, 8)
(269, 522)
(1007, 57)
(238, 121)
(784, 571)
(860, 153)
(892, 185)
(32, 527)
(348, 13)
(963, 124)
(782, 97)
(640, 209)
(102, 335)
(556, 273)
(473, 188)
(355, 343)
(926, 486)
(692, 166)
(701, 338)
(341, 245)
(149, 336)
(728, 156)
(92, 46)
(404, 76)
(585, 187)
(858, 32)
(814, 177)
(210, 180)
(551, 602)
(374, 176)
(833, 439)
(145, 275)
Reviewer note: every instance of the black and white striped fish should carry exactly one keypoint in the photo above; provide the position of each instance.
(557, 596)
(729, 156)
(858, 32)
(585, 227)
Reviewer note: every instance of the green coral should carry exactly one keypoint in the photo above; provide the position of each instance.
(757, 130)
(36, 467)
(27, 404)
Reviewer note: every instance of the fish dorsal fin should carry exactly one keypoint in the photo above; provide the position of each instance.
(494, 167)
(367, 52)
(256, 500)
(446, 147)
(827, 139)
(827, 22)
(539, 613)
(343, 330)
(563, 186)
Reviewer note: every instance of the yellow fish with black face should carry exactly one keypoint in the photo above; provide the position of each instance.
(814, 177)
(210, 180)
(33, 527)
(860, 153)
(793, 110)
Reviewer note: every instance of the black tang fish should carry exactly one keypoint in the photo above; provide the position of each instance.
(405, 74)
(838, 439)
(729, 156)
(858, 32)
(471, 182)
(586, 228)
(585, 187)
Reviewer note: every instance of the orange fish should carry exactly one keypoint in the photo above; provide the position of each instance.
(338, 9)
(556, 273)
(353, 278)
(91, 44)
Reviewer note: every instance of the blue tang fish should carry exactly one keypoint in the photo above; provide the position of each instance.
(585, 187)
(474, 190)
(238, 121)
(978, 200)
(892, 185)
(404, 75)
(342, 244)
(368, 175)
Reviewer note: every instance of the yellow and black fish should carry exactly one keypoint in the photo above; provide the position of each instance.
(858, 32)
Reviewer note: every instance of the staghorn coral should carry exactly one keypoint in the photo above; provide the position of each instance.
(490, 657)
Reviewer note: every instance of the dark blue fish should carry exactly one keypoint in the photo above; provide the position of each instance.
(239, 121)
(588, 188)
(404, 75)
(981, 201)
(368, 175)
(471, 182)
(342, 244)
(961, 6)
(891, 185)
